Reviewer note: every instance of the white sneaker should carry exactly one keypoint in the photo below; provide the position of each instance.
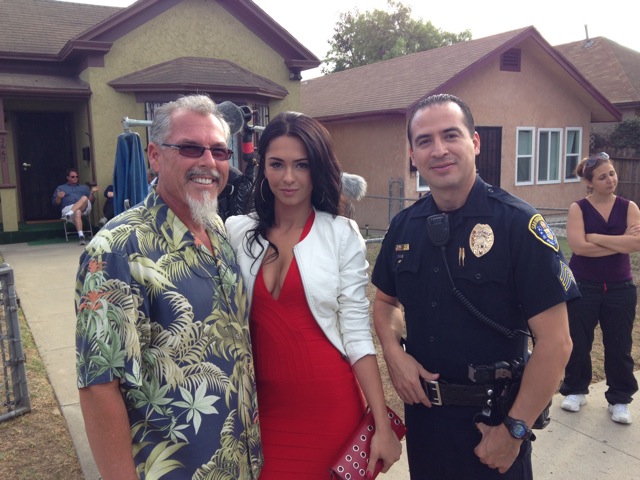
(572, 403)
(102, 221)
(67, 216)
(620, 413)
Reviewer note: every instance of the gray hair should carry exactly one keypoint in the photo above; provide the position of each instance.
(201, 104)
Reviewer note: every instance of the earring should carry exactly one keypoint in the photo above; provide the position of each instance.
(262, 194)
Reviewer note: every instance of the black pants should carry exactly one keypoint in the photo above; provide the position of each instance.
(614, 306)
(440, 443)
(107, 210)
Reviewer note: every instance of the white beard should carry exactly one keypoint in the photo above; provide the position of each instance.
(204, 210)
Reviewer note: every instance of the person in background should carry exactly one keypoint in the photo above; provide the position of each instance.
(164, 361)
(151, 177)
(74, 201)
(107, 209)
(468, 263)
(306, 273)
(602, 230)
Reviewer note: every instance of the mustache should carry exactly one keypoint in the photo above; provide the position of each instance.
(203, 172)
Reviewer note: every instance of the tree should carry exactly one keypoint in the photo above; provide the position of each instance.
(626, 134)
(369, 37)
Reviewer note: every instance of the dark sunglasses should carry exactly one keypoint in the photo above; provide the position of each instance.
(591, 161)
(73, 176)
(196, 151)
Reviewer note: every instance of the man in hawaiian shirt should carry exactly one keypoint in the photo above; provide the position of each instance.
(165, 369)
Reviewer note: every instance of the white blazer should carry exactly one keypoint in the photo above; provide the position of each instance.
(332, 260)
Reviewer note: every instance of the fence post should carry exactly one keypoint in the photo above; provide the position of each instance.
(14, 388)
(400, 195)
(391, 181)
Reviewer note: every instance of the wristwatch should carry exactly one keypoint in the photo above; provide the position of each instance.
(517, 428)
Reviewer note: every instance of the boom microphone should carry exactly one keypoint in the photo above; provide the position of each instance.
(233, 115)
(354, 186)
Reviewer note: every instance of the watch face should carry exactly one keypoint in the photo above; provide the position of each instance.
(519, 430)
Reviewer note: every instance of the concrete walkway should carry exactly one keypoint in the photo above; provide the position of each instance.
(580, 446)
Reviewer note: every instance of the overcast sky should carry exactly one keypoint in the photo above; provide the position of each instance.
(312, 22)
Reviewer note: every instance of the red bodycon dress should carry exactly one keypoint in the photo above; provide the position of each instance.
(308, 398)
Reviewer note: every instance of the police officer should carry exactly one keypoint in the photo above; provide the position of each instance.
(503, 263)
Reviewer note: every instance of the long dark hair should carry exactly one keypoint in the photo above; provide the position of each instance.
(323, 165)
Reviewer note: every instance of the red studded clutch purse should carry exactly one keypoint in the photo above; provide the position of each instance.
(352, 462)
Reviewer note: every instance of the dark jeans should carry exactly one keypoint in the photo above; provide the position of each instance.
(614, 306)
(107, 210)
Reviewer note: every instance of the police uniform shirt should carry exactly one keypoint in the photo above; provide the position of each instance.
(503, 258)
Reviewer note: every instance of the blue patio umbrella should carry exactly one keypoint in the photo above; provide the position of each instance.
(129, 172)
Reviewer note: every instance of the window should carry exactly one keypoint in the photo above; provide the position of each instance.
(573, 153)
(549, 144)
(423, 186)
(524, 156)
(262, 115)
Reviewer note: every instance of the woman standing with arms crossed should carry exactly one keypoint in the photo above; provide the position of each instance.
(602, 229)
(306, 271)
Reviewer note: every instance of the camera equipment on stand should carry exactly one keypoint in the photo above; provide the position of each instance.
(234, 199)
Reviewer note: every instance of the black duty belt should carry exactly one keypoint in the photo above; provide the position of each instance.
(464, 395)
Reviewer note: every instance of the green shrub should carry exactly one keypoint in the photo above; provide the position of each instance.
(626, 134)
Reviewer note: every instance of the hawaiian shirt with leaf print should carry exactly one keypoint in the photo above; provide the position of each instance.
(156, 310)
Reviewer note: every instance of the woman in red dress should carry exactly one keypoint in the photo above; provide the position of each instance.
(305, 269)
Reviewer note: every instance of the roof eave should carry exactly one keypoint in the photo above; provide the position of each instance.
(193, 87)
(626, 105)
(79, 49)
(360, 115)
(269, 30)
(54, 93)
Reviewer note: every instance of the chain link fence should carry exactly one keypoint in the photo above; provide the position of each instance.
(14, 394)
(374, 213)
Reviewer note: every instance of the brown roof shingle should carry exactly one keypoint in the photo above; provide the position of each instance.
(43, 27)
(199, 74)
(396, 84)
(610, 67)
(42, 85)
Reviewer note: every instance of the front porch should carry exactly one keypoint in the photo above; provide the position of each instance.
(51, 231)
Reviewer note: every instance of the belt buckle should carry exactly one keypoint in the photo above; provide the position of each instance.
(432, 388)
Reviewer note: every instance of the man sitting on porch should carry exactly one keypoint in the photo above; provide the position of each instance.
(74, 200)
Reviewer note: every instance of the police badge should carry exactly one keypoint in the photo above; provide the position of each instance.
(481, 239)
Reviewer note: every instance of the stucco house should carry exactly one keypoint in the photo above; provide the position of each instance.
(533, 111)
(70, 72)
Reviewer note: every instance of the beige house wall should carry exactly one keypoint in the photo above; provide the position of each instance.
(539, 96)
(527, 99)
(194, 28)
(374, 149)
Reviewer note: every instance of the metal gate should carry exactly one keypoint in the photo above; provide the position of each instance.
(14, 394)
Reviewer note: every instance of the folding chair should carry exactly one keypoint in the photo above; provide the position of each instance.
(86, 218)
